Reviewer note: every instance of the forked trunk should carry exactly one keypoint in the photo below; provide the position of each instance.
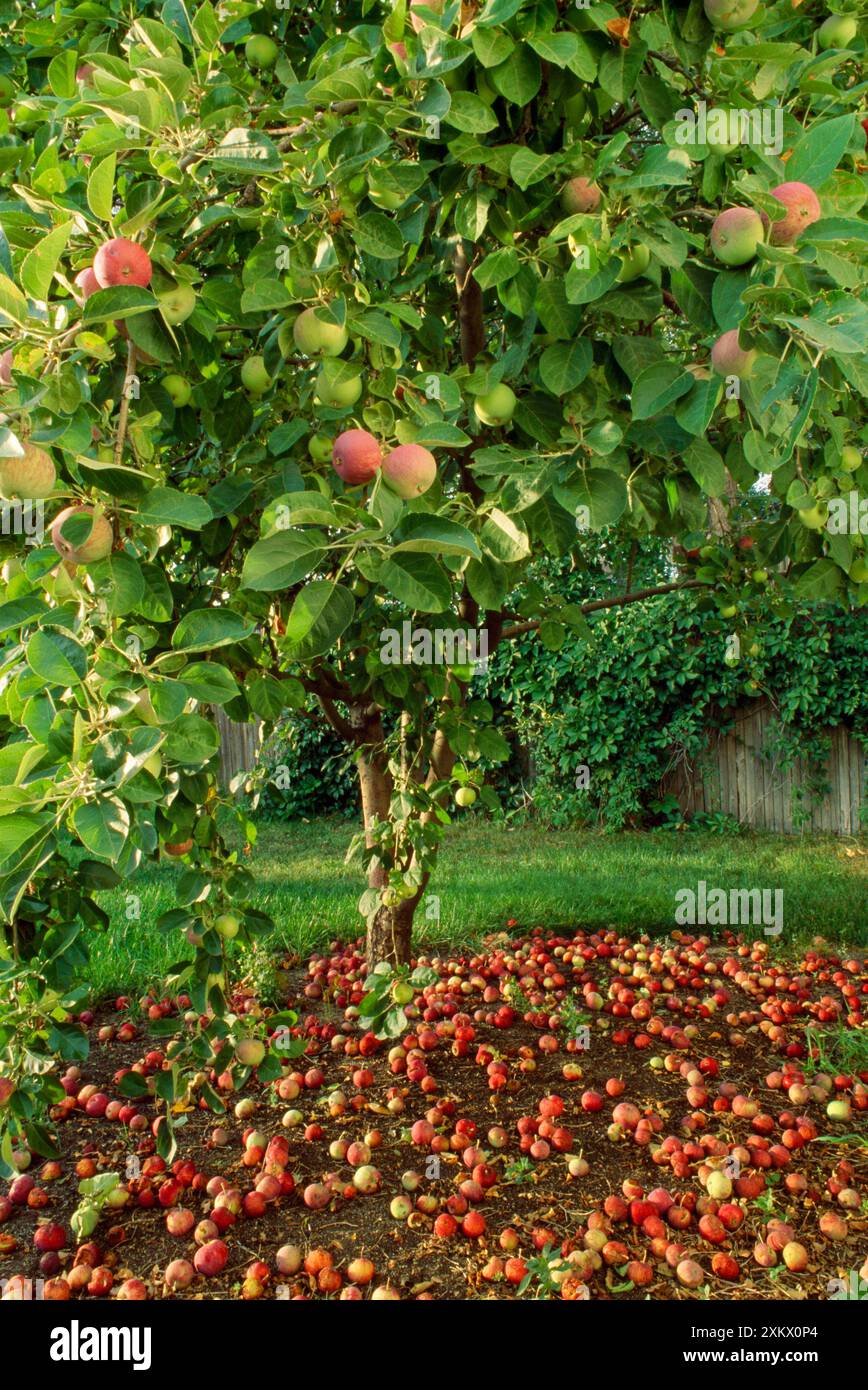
(390, 933)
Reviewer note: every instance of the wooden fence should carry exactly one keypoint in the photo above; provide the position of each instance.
(738, 776)
(239, 744)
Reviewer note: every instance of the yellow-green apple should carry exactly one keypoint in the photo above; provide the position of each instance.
(254, 377)
(261, 51)
(728, 358)
(316, 338)
(496, 407)
(92, 547)
(178, 303)
(338, 384)
(735, 235)
(409, 470)
(635, 260)
(837, 31)
(730, 14)
(320, 446)
(30, 476)
(178, 388)
(580, 195)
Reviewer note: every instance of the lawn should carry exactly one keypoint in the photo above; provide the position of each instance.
(490, 874)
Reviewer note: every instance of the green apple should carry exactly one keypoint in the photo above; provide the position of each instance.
(814, 517)
(320, 446)
(859, 571)
(837, 31)
(178, 388)
(261, 51)
(760, 576)
(316, 338)
(402, 992)
(227, 925)
(851, 458)
(382, 196)
(254, 376)
(338, 384)
(496, 407)
(178, 303)
(728, 610)
(465, 796)
(635, 261)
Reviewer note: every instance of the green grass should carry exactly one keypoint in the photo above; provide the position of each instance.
(489, 874)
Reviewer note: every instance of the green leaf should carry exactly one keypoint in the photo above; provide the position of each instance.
(503, 538)
(119, 302)
(564, 366)
(103, 827)
(469, 112)
(17, 612)
(559, 49)
(496, 268)
(491, 46)
(100, 187)
(657, 387)
(207, 628)
(434, 535)
(61, 74)
(209, 682)
(600, 494)
(12, 302)
(418, 581)
(17, 832)
(379, 236)
(39, 265)
(520, 77)
(820, 150)
(119, 582)
(247, 152)
(527, 168)
(57, 657)
(282, 560)
(191, 740)
(166, 506)
(707, 467)
(320, 613)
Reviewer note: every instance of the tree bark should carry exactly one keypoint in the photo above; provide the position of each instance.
(390, 929)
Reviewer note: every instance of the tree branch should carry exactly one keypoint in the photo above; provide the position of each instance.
(123, 413)
(617, 602)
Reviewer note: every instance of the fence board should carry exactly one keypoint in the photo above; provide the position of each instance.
(734, 777)
(239, 745)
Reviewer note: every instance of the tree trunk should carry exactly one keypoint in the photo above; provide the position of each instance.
(390, 933)
(390, 930)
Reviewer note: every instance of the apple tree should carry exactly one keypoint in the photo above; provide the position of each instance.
(320, 325)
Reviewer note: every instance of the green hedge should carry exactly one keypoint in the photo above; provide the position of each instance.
(651, 679)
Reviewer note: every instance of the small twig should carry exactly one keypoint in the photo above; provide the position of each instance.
(123, 413)
(618, 601)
